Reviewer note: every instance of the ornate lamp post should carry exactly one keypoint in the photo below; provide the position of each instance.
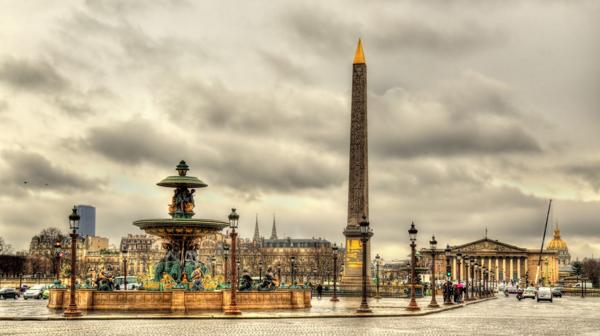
(226, 256)
(432, 246)
(213, 262)
(467, 275)
(364, 231)
(412, 233)
(57, 255)
(377, 262)
(72, 310)
(260, 267)
(476, 280)
(124, 254)
(334, 250)
(292, 270)
(233, 224)
(447, 253)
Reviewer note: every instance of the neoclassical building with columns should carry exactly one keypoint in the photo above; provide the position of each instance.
(507, 262)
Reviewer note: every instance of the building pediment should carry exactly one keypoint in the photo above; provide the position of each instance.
(487, 245)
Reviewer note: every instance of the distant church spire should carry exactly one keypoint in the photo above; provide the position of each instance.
(274, 229)
(256, 233)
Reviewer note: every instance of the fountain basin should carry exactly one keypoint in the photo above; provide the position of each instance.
(180, 300)
(169, 228)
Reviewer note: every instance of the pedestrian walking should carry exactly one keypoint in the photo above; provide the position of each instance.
(319, 291)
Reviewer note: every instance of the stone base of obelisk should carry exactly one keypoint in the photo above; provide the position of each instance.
(351, 282)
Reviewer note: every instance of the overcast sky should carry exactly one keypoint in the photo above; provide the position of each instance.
(479, 113)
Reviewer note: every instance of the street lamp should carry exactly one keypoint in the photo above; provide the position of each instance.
(412, 234)
(447, 298)
(233, 224)
(467, 275)
(432, 246)
(377, 261)
(124, 253)
(292, 270)
(260, 267)
(72, 310)
(334, 250)
(226, 256)
(57, 255)
(213, 262)
(364, 232)
(476, 280)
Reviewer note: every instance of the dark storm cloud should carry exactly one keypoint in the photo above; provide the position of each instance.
(133, 142)
(257, 167)
(589, 172)
(24, 170)
(474, 116)
(293, 117)
(36, 77)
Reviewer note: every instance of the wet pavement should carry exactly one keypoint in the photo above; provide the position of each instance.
(503, 316)
(30, 309)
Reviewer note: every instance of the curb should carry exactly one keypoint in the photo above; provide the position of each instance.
(240, 317)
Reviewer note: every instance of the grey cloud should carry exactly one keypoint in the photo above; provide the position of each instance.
(31, 171)
(133, 142)
(443, 38)
(32, 76)
(293, 117)
(589, 172)
(473, 118)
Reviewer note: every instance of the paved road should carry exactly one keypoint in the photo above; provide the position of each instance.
(504, 316)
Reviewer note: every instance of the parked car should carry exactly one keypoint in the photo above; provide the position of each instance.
(557, 292)
(34, 292)
(132, 282)
(9, 293)
(511, 290)
(529, 292)
(544, 293)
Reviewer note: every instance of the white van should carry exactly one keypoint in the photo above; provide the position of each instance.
(544, 293)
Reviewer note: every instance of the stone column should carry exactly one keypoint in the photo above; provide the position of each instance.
(519, 269)
(497, 270)
(504, 268)
(511, 268)
(453, 268)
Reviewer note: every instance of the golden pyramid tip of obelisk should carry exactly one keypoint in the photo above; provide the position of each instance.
(359, 57)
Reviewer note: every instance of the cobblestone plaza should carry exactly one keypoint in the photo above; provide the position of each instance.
(502, 316)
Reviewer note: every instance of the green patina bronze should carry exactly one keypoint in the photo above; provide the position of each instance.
(180, 267)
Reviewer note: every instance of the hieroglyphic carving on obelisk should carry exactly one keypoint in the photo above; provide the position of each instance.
(358, 182)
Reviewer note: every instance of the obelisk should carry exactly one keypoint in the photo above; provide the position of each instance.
(358, 181)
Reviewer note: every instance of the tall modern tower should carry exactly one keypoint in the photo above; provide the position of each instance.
(358, 182)
(87, 224)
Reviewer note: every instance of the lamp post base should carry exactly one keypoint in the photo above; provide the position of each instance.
(232, 311)
(433, 304)
(364, 310)
(412, 306)
(72, 311)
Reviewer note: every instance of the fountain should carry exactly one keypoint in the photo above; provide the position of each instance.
(180, 281)
(180, 267)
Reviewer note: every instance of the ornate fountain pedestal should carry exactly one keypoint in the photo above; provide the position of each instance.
(180, 281)
(179, 300)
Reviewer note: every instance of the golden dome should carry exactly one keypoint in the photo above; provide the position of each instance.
(557, 243)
